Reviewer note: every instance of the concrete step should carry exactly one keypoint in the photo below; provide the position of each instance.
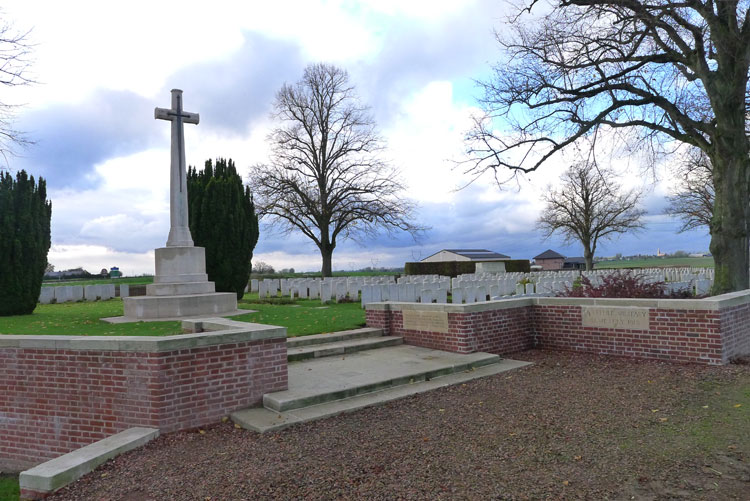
(326, 379)
(263, 420)
(341, 347)
(333, 337)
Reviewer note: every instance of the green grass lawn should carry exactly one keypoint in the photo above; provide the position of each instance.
(659, 262)
(82, 319)
(9, 490)
(303, 316)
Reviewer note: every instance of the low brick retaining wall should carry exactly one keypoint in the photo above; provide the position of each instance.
(64, 392)
(708, 331)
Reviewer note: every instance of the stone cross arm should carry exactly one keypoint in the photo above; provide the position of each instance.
(168, 114)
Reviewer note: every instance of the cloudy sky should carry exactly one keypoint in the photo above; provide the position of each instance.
(102, 67)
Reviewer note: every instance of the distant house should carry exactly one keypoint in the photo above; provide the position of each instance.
(550, 260)
(476, 255)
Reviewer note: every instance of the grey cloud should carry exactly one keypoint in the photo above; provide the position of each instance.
(72, 138)
(230, 94)
(461, 46)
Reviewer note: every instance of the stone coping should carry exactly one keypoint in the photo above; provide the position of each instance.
(710, 303)
(203, 332)
(500, 304)
(61, 471)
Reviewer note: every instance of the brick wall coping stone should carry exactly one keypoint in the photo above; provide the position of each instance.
(48, 477)
(710, 303)
(499, 304)
(201, 332)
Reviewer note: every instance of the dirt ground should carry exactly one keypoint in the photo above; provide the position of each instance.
(570, 426)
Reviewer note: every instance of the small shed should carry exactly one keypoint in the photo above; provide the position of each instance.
(476, 255)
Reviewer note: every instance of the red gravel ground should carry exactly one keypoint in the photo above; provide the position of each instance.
(568, 427)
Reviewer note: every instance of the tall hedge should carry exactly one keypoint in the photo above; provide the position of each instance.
(223, 220)
(25, 215)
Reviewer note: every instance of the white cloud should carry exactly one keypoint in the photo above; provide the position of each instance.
(93, 258)
(426, 140)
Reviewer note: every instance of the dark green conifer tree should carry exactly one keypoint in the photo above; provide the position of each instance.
(25, 215)
(223, 220)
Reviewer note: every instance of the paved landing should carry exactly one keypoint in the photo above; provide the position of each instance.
(332, 378)
(262, 420)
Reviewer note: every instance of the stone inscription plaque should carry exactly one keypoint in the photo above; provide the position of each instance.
(615, 317)
(432, 321)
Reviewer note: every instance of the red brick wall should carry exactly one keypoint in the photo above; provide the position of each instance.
(495, 331)
(707, 336)
(502, 331)
(379, 319)
(55, 401)
(735, 329)
(676, 335)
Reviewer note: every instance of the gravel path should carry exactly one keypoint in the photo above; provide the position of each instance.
(569, 427)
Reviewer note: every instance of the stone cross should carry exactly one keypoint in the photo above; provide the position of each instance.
(179, 231)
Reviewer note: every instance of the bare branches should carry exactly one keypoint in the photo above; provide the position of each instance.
(15, 51)
(326, 178)
(660, 67)
(693, 200)
(588, 207)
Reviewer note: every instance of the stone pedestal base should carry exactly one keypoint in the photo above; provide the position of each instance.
(180, 289)
(153, 307)
(180, 265)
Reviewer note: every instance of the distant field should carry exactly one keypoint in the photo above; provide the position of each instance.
(99, 281)
(659, 262)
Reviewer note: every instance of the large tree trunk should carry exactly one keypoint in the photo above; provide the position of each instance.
(588, 256)
(326, 252)
(729, 225)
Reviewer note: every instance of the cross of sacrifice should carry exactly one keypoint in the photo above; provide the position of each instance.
(179, 232)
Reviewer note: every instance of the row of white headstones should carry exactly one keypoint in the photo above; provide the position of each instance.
(416, 288)
(75, 293)
(328, 289)
(466, 288)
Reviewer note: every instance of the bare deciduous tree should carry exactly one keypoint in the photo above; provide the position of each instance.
(693, 199)
(589, 207)
(15, 51)
(659, 72)
(326, 178)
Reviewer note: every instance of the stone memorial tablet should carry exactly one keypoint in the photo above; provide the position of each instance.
(432, 321)
(615, 317)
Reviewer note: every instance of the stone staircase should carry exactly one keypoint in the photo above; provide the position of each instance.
(345, 371)
(338, 343)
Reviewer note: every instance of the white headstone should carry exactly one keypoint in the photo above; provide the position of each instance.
(107, 291)
(92, 292)
(325, 292)
(47, 295)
